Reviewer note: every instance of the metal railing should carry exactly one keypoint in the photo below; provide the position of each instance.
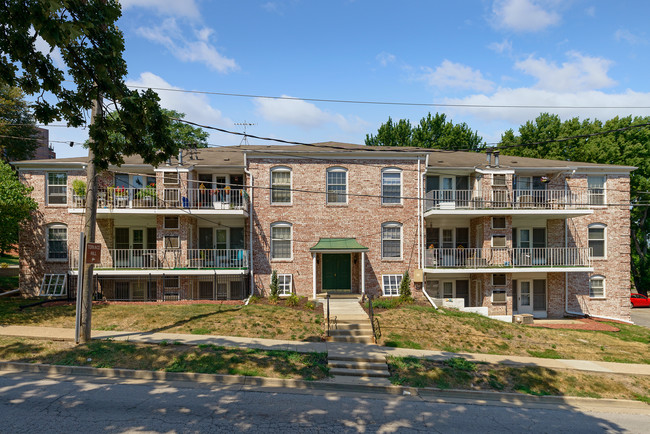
(166, 198)
(507, 257)
(161, 259)
(504, 198)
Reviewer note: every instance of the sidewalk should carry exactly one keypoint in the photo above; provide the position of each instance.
(305, 347)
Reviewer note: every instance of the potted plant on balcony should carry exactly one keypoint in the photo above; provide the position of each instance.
(147, 195)
(79, 193)
(121, 196)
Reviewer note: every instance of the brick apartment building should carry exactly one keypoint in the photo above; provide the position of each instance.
(497, 236)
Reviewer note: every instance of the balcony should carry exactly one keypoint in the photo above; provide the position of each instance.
(168, 259)
(496, 200)
(149, 200)
(508, 259)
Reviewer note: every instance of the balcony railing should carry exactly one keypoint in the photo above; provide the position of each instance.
(166, 198)
(161, 259)
(545, 257)
(502, 198)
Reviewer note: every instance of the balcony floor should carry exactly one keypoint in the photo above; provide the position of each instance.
(532, 269)
(553, 213)
(167, 271)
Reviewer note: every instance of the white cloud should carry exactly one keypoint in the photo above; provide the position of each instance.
(184, 8)
(591, 11)
(582, 73)
(196, 107)
(271, 7)
(504, 46)
(42, 46)
(170, 35)
(523, 15)
(385, 58)
(456, 75)
(304, 114)
(624, 35)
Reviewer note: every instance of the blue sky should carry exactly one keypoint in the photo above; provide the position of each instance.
(488, 52)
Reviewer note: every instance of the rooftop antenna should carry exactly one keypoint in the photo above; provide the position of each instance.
(244, 140)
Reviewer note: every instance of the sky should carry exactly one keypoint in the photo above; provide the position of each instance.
(587, 54)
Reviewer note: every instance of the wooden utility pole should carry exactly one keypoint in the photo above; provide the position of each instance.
(90, 221)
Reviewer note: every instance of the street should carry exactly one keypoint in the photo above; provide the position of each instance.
(641, 316)
(34, 403)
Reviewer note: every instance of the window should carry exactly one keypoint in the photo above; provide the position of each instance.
(170, 178)
(498, 280)
(57, 242)
(54, 285)
(281, 241)
(280, 185)
(499, 294)
(172, 282)
(391, 240)
(498, 222)
(391, 284)
(597, 240)
(498, 241)
(171, 222)
(337, 185)
(596, 189)
(499, 179)
(597, 287)
(284, 284)
(391, 186)
(57, 186)
(172, 242)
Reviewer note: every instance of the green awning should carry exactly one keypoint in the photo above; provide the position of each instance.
(338, 245)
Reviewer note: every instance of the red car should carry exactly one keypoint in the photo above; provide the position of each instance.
(639, 300)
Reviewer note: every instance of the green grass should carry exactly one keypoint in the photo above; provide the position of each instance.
(546, 354)
(399, 341)
(8, 282)
(9, 260)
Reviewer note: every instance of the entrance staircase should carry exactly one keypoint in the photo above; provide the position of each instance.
(350, 352)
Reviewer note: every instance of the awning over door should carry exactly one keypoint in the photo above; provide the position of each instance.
(338, 245)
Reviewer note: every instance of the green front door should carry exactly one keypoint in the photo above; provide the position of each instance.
(337, 272)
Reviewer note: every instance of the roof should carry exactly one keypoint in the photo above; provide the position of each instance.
(234, 156)
(338, 245)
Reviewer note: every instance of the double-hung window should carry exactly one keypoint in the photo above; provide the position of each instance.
(57, 188)
(280, 185)
(391, 240)
(391, 186)
(597, 287)
(391, 283)
(57, 242)
(596, 188)
(337, 185)
(597, 240)
(281, 240)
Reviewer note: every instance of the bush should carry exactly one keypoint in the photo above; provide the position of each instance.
(79, 187)
(405, 288)
(461, 364)
(310, 305)
(274, 288)
(293, 300)
(253, 299)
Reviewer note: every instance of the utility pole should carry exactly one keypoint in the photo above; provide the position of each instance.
(90, 221)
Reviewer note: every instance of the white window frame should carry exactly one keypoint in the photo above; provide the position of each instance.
(390, 284)
(598, 278)
(279, 169)
(171, 237)
(505, 223)
(499, 236)
(391, 171)
(604, 239)
(167, 181)
(327, 183)
(47, 242)
(178, 222)
(285, 284)
(391, 225)
(593, 194)
(499, 176)
(274, 240)
(64, 185)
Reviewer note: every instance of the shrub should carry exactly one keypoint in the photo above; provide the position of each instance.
(405, 288)
(274, 288)
(310, 305)
(253, 299)
(293, 300)
(79, 187)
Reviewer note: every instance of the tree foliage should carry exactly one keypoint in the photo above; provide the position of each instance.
(17, 127)
(15, 206)
(433, 131)
(630, 147)
(91, 47)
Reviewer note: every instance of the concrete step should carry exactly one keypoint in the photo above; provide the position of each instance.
(351, 332)
(360, 372)
(348, 318)
(354, 339)
(366, 358)
(373, 366)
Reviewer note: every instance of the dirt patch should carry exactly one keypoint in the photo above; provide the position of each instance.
(584, 324)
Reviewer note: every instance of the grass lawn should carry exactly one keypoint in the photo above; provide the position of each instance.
(8, 259)
(255, 320)
(413, 326)
(168, 357)
(459, 373)
(8, 282)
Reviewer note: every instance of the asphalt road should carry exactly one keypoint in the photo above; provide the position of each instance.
(33, 403)
(641, 316)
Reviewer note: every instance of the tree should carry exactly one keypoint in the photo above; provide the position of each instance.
(274, 287)
(15, 206)
(17, 127)
(630, 147)
(405, 288)
(91, 47)
(432, 132)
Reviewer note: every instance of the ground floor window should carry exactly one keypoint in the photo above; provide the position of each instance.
(597, 287)
(285, 284)
(391, 284)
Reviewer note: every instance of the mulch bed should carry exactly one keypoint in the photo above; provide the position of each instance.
(585, 324)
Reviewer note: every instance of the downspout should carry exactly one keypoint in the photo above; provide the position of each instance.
(419, 232)
(250, 226)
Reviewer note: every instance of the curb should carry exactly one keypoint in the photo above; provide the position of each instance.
(429, 394)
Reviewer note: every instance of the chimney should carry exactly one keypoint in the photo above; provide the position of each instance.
(496, 158)
(488, 153)
(180, 157)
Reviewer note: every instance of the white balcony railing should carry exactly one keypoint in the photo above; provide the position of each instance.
(166, 198)
(507, 257)
(161, 259)
(503, 198)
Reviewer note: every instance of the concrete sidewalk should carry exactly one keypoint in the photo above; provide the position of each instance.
(305, 347)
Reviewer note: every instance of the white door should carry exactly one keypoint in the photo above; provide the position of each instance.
(525, 297)
(448, 192)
